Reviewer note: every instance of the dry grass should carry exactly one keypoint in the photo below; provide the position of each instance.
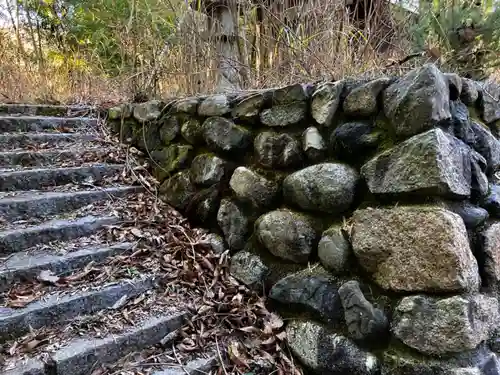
(323, 42)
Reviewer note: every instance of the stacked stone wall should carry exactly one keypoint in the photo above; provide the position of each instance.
(367, 210)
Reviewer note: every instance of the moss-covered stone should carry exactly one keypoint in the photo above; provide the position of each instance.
(223, 135)
(170, 159)
(178, 190)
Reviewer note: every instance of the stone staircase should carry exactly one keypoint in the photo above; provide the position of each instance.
(58, 187)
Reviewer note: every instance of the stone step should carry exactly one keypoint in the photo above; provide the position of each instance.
(51, 157)
(26, 265)
(45, 203)
(12, 141)
(41, 123)
(33, 179)
(46, 110)
(56, 309)
(82, 356)
(12, 241)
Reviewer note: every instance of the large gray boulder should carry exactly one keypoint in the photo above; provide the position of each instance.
(275, 150)
(418, 101)
(443, 326)
(223, 135)
(325, 102)
(249, 186)
(287, 234)
(327, 353)
(431, 163)
(309, 290)
(326, 187)
(415, 249)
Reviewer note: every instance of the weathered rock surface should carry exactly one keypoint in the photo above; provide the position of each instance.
(169, 128)
(170, 159)
(192, 131)
(147, 111)
(476, 362)
(325, 102)
(178, 190)
(284, 114)
(223, 135)
(365, 322)
(188, 105)
(274, 150)
(490, 101)
(313, 144)
(441, 326)
(363, 100)
(249, 269)
(234, 223)
(326, 187)
(249, 186)
(208, 169)
(454, 84)
(418, 101)
(249, 106)
(334, 249)
(287, 234)
(311, 291)
(415, 249)
(354, 140)
(431, 163)
(489, 255)
(486, 144)
(469, 93)
(215, 105)
(327, 353)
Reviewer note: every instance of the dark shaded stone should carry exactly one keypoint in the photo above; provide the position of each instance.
(311, 291)
(178, 190)
(234, 223)
(365, 323)
(473, 216)
(354, 140)
(491, 202)
(470, 92)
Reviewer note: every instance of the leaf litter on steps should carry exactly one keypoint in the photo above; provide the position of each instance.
(227, 318)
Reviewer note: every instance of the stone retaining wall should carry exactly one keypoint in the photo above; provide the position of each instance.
(368, 211)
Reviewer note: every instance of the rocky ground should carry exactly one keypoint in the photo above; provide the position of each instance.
(98, 276)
